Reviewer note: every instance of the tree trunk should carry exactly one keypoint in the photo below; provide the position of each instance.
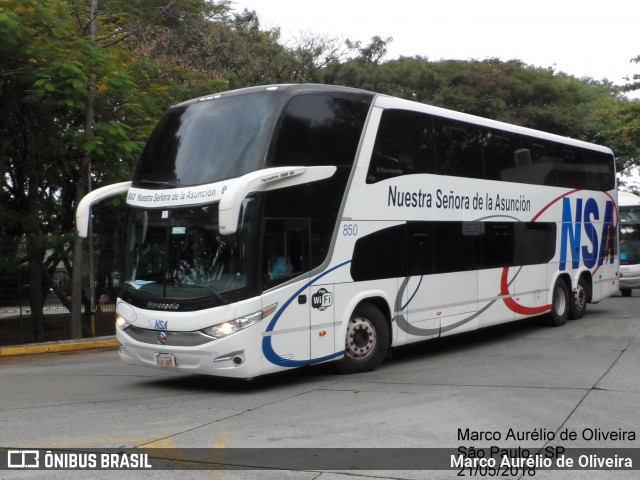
(36, 300)
(35, 257)
(84, 185)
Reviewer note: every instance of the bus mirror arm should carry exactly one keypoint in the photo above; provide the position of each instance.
(262, 181)
(84, 207)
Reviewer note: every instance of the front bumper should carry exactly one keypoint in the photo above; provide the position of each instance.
(237, 357)
(629, 276)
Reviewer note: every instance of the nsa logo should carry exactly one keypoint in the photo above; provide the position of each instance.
(162, 324)
(322, 299)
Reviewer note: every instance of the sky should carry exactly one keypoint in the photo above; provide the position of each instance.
(584, 38)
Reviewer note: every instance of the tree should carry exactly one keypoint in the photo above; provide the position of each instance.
(372, 53)
(48, 68)
(45, 82)
(512, 91)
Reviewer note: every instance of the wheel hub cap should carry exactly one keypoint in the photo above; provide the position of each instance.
(361, 338)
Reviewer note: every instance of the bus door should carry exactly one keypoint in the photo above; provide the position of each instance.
(442, 291)
(533, 247)
(417, 300)
(286, 281)
(449, 291)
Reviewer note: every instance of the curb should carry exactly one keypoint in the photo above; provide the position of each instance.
(57, 347)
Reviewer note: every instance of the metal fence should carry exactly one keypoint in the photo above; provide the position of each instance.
(35, 294)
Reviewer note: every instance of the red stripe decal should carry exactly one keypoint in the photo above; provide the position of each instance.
(512, 304)
(554, 201)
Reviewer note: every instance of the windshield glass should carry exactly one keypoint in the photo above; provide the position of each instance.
(209, 141)
(630, 236)
(178, 255)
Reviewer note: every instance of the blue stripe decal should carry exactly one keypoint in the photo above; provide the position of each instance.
(413, 295)
(267, 348)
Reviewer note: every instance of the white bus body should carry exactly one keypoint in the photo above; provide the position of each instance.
(330, 224)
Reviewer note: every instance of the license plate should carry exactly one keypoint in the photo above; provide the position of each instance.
(165, 360)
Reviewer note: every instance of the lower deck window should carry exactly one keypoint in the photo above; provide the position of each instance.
(423, 248)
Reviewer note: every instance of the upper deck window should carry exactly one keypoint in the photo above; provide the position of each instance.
(411, 142)
(320, 129)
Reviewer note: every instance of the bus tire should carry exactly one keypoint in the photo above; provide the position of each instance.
(579, 299)
(560, 303)
(367, 340)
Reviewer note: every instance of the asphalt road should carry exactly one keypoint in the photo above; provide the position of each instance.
(524, 378)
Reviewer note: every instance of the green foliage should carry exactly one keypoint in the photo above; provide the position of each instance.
(49, 67)
(49, 70)
(513, 92)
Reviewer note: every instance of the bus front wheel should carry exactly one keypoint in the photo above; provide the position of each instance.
(560, 303)
(367, 340)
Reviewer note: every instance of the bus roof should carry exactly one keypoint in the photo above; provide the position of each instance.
(386, 101)
(628, 199)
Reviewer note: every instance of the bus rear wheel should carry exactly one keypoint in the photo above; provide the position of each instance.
(367, 340)
(579, 299)
(560, 303)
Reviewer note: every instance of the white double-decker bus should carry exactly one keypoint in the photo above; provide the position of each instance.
(288, 225)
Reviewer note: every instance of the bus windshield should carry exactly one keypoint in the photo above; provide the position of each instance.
(178, 254)
(208, 141)
(630, 235)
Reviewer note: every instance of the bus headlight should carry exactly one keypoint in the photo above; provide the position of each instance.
(227, 328)
(121, 323)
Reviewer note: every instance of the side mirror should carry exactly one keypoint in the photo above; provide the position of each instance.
(83, 208)
(261, 181)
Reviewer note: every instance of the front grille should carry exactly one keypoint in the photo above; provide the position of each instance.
(177, 339)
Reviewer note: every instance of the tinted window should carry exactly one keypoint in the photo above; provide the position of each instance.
(317, 204)
(315, 130)
(570, 170)
(422, 248)
(421, 245)
(458, 148)
(286, 249)
(500, 154)
(209, 141)
(320, 130)
(411, 142)
(629, 236)
(535, 243)
(178, 255)
(404, 145)
(380, 255)
(455, 246)
(596, 171)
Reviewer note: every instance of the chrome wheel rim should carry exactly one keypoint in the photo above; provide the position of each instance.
(361, 338)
